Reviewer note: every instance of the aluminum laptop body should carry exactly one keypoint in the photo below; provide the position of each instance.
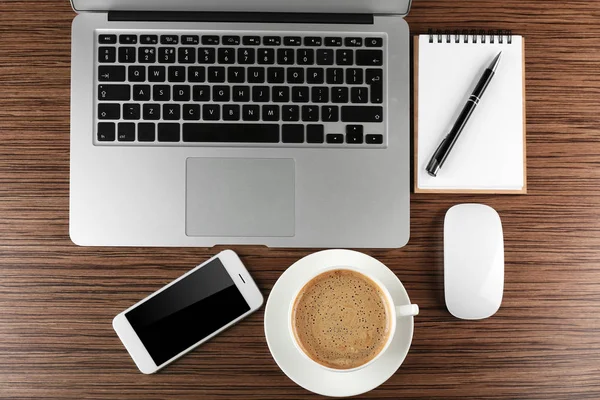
(345, 189)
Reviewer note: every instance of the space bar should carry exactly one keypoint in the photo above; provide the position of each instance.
(240, 133)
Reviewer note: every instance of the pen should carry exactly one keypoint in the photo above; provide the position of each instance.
(440, 155)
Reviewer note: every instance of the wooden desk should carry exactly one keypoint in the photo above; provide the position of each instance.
(57, 300)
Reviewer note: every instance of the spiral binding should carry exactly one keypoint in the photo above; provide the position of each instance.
(470, 36)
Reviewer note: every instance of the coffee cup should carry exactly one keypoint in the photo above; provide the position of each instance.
(343, 319)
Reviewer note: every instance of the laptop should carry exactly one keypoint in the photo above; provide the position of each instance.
(259, 122)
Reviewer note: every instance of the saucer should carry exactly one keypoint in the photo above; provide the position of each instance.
(304, 372)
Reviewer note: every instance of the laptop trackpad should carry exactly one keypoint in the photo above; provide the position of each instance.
(240, 197)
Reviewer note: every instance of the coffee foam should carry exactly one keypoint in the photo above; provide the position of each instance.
(340, 319)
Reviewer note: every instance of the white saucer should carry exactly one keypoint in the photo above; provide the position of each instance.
(301, 370)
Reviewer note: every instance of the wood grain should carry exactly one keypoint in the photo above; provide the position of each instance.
(57, 300)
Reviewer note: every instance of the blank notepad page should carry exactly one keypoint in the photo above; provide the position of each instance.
(490, 153)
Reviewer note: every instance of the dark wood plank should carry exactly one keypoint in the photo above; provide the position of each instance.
(57, 300)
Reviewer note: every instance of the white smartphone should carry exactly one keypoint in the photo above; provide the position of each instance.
(187, 312)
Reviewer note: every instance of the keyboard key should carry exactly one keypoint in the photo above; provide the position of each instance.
(315, 133)
(369, 57)
(285, 56)
(335, 138)
(146, 132)
(191, 112)
(251, 40)
(136, 73)
(256, 75)
(359, 95)
(210, 40)
(260, 94)
(240, 133)
(231, 112)
(270, 112)
(354, 134)
(128, 39)
(126, 132)
(344, 57)
(206, 55)
(292, 41)
(114, 92)
(266, 56)
(315, 75)
(141, 92)
(107, 54)
(236, 75)
(353, 42)
(281, 94)
(169, 39)
(241, 93)
(320, 94)
(272, 40)
(313, 41)
(156, 73)
(168, 132)
(161, 93)
(151, 111)
(190, 39)
(211, 112)
(216, 74)
(251, 113)
(354, 76)
(106, 131)
(335, 76)
(362, 114)
(292, 133)
(275, 75)
(111, 73)
(196, 74)
(186, 55)
(246, 56)
(149, 39)
(291, 113)
(310, 113)
(176, 74)
(109, 111)
(374, 139)
(306, 56)
(295, 75)
(126, 54)
(231, 40)
(166, 55)
(300, 94)
(201, 93)
(131, 111)
(147, 55)
(325, 57)
(374, 42)
(171, 112)
(221, 93)
(339, 95)
(374, 77)
(330, 113)
(226, 55)
(181, 93)
(107, 39)
(333, 41)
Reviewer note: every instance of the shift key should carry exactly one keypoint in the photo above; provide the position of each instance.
(114, 92)
(362, 114)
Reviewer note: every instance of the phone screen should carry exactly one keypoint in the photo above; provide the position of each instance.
(187, 311)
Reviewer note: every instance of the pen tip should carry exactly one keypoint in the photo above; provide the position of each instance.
(494, 64)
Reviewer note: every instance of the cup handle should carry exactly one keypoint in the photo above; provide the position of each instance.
(407, 311)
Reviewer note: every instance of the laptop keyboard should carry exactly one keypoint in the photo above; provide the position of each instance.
(240, 90)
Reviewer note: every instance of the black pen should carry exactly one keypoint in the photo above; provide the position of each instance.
(440, 155)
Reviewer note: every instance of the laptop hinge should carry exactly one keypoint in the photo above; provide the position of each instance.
(287, 18)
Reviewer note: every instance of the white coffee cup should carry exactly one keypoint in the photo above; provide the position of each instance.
(400, 311)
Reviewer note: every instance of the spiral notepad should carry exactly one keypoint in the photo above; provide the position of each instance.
(490, 154)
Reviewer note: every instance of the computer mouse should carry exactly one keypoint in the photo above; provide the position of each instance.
(473, 261)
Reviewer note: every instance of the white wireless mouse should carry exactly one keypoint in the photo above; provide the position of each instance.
(473, 261)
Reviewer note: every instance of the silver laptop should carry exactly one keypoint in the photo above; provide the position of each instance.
(269, 122)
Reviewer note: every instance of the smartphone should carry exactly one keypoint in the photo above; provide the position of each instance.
(187, 312)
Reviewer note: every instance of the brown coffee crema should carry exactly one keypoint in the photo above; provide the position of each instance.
(341, 319)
